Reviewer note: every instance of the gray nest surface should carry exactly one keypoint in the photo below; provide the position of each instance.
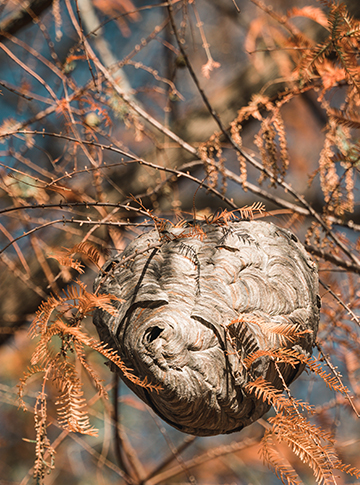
(199, 299)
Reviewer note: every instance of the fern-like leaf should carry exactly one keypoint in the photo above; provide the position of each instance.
(348, 469)
(349, 119)
(282, 468)
(313, 13)
(67, 260)
(43, 315)
(88, 250)
(31, 371)
(311, 444)
(79, 349)
(71, 404)
(265, 391)
(293, 357)
(114, 357)
(275, 333)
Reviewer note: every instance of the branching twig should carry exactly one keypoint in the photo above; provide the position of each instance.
(337, 376)
(288, 188)
(339, 300)
(332, 259)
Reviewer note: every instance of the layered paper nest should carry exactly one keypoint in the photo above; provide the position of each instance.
(196, 302)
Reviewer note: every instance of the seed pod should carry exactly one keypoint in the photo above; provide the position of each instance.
(197, 301)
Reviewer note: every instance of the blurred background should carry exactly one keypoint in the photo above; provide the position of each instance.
(89, 88)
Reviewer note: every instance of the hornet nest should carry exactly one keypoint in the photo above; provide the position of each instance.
(196, 301)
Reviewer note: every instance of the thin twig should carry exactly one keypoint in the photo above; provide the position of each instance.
(332, 259)
(29, 71)
(188, 440)
(203, 458)
(141, 161)
(116, 427)
(337, 376)
(173, 449)
(339, 300)
(80, 32)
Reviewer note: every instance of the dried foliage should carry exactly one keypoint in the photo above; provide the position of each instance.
(100, 140)
(61, 316)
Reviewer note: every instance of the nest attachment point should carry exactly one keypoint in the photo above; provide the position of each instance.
(196, 302)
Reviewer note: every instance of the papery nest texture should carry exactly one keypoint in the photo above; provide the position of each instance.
(195, 302)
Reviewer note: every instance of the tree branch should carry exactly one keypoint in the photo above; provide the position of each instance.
(22, 17)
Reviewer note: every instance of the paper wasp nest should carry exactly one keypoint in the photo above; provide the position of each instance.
(199, 299)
